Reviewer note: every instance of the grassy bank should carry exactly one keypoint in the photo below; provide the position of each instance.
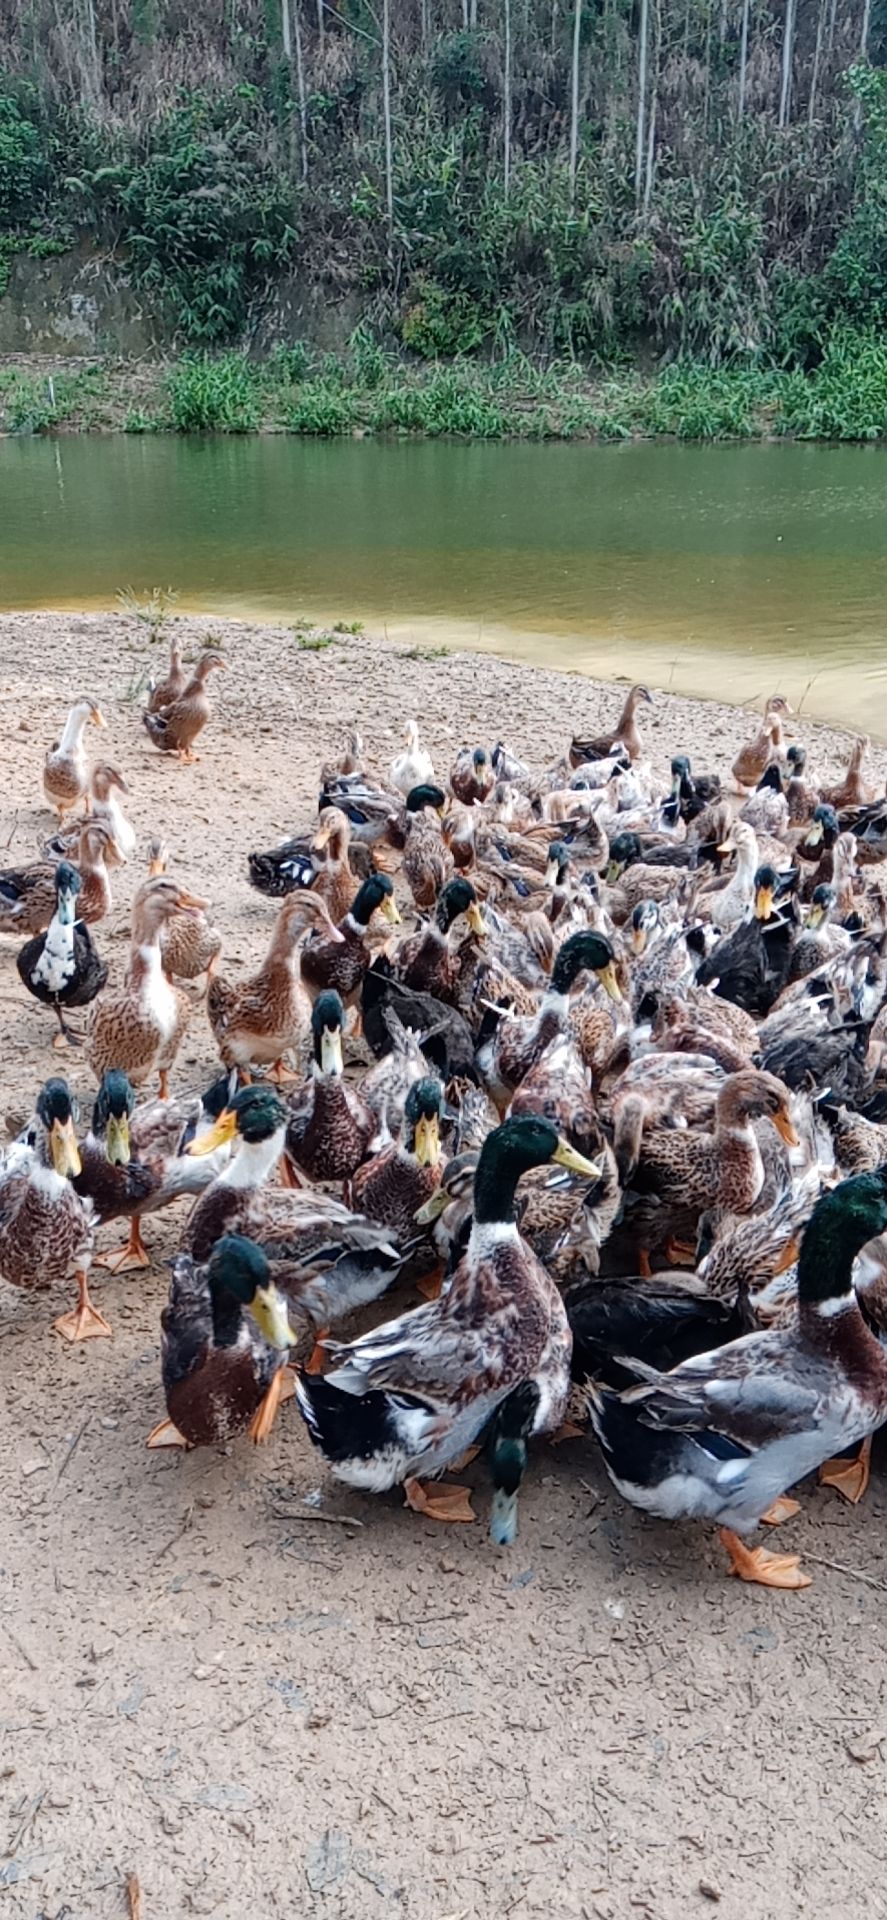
(367, 391)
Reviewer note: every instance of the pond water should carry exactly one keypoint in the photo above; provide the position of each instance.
(726, 571)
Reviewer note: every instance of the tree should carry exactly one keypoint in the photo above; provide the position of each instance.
(506, 103)
(574, 99)
(642, 101)
(743, 60)
(788, 37)
(386, 110)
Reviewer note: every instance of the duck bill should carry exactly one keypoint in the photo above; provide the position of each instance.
(389, 910)
(551, 872)
(427, 1141)
(117, 1141)
(638, 939)
(331, 1060)
(270, 1311)
(609, 982)
(190, 902)
(612, 874)
(67, 907)
(785, 1129)
(98, 718)
(815, 834)
(815, 919)
(157, 866)
(764, 903)
(787, 1257)
(64, 1149)
(432, 1209)
(574, 1161)
(218, 1136)
(726, 846)
(476, 920)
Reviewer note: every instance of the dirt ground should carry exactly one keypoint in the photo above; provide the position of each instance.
(260, 1693)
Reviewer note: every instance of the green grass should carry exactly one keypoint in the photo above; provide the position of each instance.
(365, 391)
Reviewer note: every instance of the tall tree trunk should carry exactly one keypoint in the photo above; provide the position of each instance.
(574, 99)
(386, 109)
(743, 61)
(639, 143)
(300, 85)
(817, 61)
(321, 30)
(506, 105)
(654, 102)
(866, 23)
(423, 25)
(832, 17)
(788, 47)
(89, 51)
(472, 15)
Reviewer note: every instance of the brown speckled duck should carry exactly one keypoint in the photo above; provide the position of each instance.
(66, 768)
(140, 1025)
(428, 960)
(401, 1177)
(175, 728)
(28, 894)
(190, 944)
(754, 758)
(225, 1334)
(339, 959)
(46, 1229)
(163, 693)
(626, 734)
(257, 1020)
(690, 1167)
(330, 1127)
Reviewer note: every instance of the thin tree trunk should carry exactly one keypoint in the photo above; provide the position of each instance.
(654, 101)
(788, 37)
(553, 40)
(89, 52)
(465, 15)
(743, 61)
(386, 109)
(506, 108)
(472, 15)
(321, 30)
(722, 24)
(706, 97)
(833, 14)
(300, 84)
(574, 99)
(423, 26)
(866, 23)
(817, 61)
(642, 102)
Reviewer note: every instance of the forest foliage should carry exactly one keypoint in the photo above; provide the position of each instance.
(615, 181)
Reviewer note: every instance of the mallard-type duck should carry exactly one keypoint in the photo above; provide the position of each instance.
(139, 1026)
(517, 1043)
(767, 809)
(559, 1087)
(384, 1087)
(723, 1436)
(133, 1160)
(163, 693)
(66, 768)
(446, 1037)
(410, 1397)
(854, 790)
(175, 728)
(321, 860)
(661, 1321)
(413, 767)
(189, 943)
(327, 1259)
(257, 1020)
(401, 1177)
(61, 967)
(822, 937)
(692, 1167)
(751, 964)
(472, 776)
(696, 791)
(28, 894)
(626, 735)
(428, 960)
(767, 744)
(105, 782)
(46, 1229)
(729, 899)
(427, 860)
(330, 1126)
(800, 793)
(337, 961)
(225, 1335)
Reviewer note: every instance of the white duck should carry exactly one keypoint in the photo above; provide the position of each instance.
(414, 767)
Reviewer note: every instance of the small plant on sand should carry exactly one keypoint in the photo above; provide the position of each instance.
(312, 642)
(155, 611)
(424, 653)
(348, 626)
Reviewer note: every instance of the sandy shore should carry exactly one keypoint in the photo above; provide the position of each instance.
(259, 1713)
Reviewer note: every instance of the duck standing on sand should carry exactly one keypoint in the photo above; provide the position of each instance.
(162, 693)
(66, 768)
(61, 967)
(175, 728)
(625, 736)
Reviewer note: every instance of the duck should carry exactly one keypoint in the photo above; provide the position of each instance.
(696, 791)
(445, 1037)
(693, 1167)
(62, 967)
(413, 767)
(401, 1176)
(339, 959)
(800, 793)
(767, 809)
(729, 900)
(472, 776)
(133, 1159)
(750, 965)
(427, 860)
(518, 1042)
(139, 1025)
(428, 960)
(46, 1230)
(327, 1259)
(625, 736)
(105, 782)
(66, 768)
(407, 1399)
(722, 1437)
(766, 745)
(190, 944)
(174, 728)
(854, 790)
(28, 896)
(257, 1020)
(330, 1126)
(224, 1338)
(163, 693)
(385, 1085)
(321, 860)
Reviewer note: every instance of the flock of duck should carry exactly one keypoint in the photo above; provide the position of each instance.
(615, 1105)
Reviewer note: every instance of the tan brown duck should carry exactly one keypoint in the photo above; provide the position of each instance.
(625, 734)
(66, 768)
(190, 944)
(175, 728)
(854, 790)
(105, 782)
(402, 1176)
(330, 1126)
(257, 1020)
(28, 894)
(429, 960)
(472, 777)
(695, 1168)
(165, 692)
(754, 758)
(427, 860)
(339, 958)
(46, 1229)
(139, 1026)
